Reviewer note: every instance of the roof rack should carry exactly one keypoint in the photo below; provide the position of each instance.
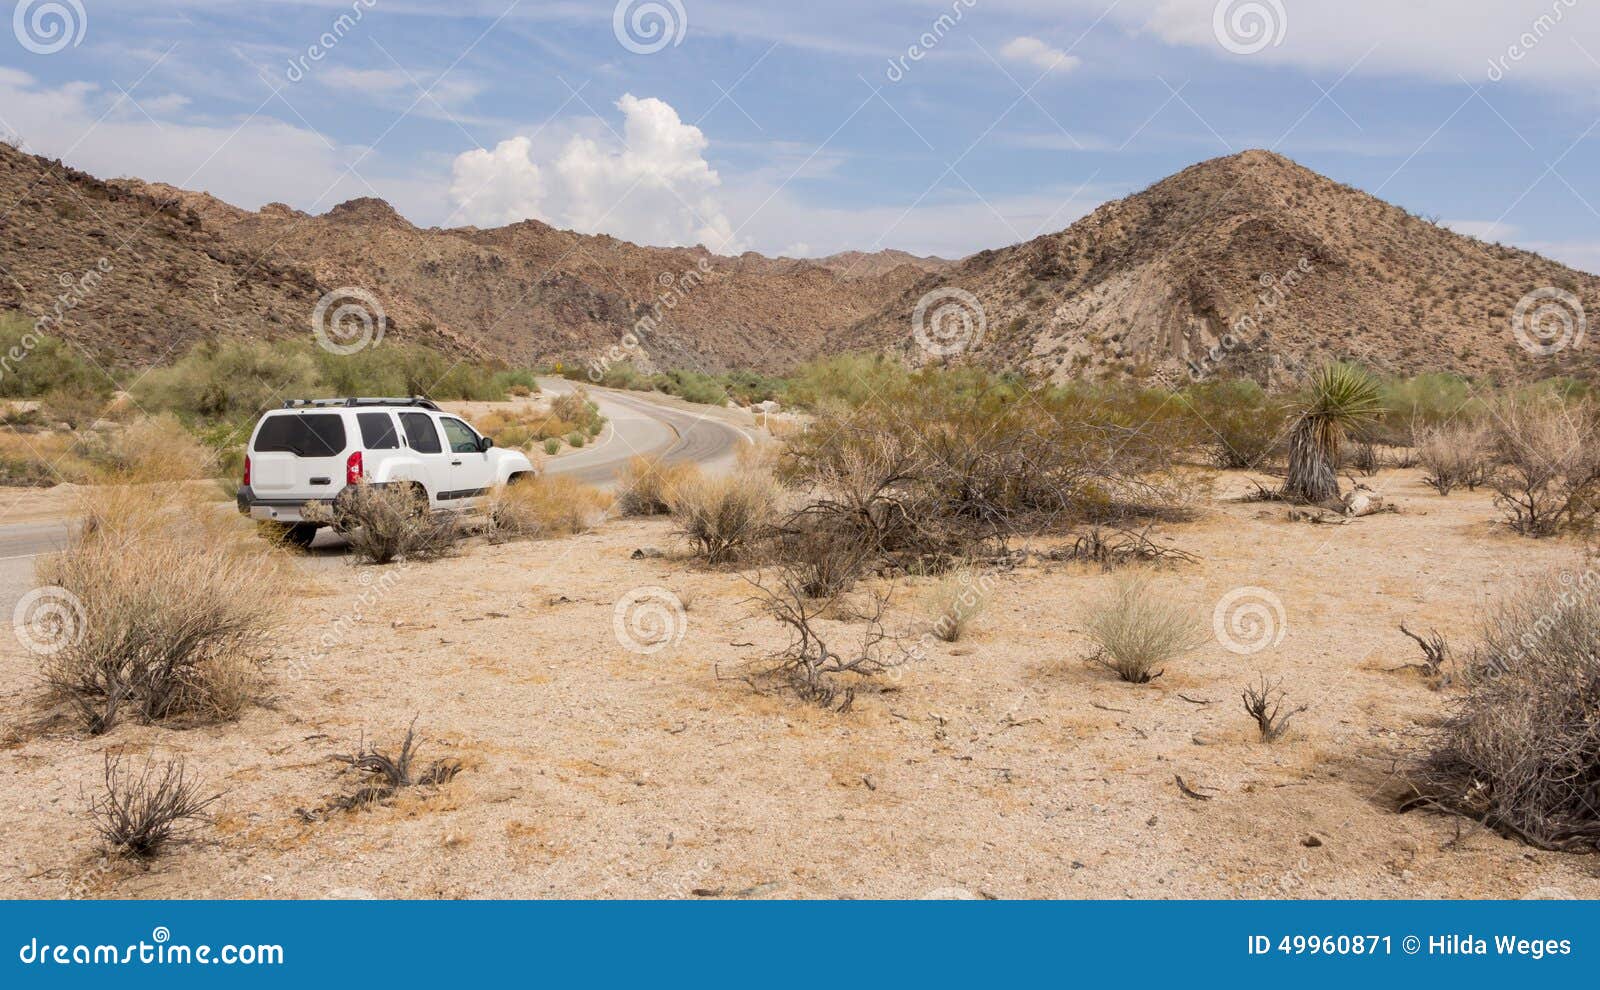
(415, 400)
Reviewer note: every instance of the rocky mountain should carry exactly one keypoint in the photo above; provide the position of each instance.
(1250, 262)
(1257, 265)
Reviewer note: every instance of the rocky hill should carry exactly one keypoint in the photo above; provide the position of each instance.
(1294, 266)
(1250, 262)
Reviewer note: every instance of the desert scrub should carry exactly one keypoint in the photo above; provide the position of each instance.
(1137, 631)
(957, 599)
(1521, 751)
(552, 446)
(390, 522)
(1548, 478)
(172, 609)
(643, 483)
(138, 814)
(547, 506)
(1457, 454)
(724, 517)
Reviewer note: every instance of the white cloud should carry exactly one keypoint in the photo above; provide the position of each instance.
(1039, 55)
(362, 80)
(657, 188)
(1526, 42)
(247, 161)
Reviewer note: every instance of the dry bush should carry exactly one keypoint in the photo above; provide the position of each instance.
(957, 600)
(643, 483)
(1549, 474)
(726, 516)
(385, 775)
(1265, 702)
(1521, 752)
(139, 813)
(1455, 455)
(149, 450)
(572, 406)
(1137, 632)
(548, 506)
(813, 665)
(1115, 548)
(390, 522)
(173, 606)
(826, 558)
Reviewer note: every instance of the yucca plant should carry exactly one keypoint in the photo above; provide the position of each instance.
(1340, 397)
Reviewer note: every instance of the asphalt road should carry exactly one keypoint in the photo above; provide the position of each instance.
(637, 425)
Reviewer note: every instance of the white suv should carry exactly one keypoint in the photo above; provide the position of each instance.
(311, 450)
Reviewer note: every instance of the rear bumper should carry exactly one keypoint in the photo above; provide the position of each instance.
(284, 510)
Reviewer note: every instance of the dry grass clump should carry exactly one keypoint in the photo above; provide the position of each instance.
(547, 506)
(957, 599)
(1455, 455)
(1521, 753)
(139, 813)
(390, 522)
(724, 517)
(1549, 474)
(164, 608)
(1137, 631)
(643, 483)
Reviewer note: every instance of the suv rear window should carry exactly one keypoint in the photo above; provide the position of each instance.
(377, 431)
(309, 435)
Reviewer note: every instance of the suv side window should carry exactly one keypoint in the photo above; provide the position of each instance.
(462, 439)
(420, 433)
(377, 431)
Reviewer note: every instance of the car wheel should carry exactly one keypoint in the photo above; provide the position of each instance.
(302, 534)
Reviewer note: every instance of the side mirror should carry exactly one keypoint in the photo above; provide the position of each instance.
(484, 443)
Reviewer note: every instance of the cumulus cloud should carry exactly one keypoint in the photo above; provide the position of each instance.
(656, 188)
(1039, 55)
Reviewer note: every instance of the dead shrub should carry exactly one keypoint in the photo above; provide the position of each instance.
(1548, 479)
(1115, 548)
(1455, 455)
(1137, 631)
(725, 517)
(812, 665)
(385, 775)
(643, 483)
(1265, 702)
(172, 605)
(1521, 751)
(386, 522)
(547, 506)
(826, 557)
(138, 814)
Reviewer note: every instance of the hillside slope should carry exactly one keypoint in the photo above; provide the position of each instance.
(1150, 283)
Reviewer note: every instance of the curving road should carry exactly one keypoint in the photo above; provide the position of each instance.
(638, 424)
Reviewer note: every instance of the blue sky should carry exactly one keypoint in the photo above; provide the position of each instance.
(938, 127)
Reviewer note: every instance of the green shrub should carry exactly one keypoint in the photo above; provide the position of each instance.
(552, 445)
(1243, 426)
(33, 364)
(577, 439)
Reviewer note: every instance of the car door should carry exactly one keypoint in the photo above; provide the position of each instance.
(471, 472)
(422, 436)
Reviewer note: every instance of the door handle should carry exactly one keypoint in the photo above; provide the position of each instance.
(455, 463)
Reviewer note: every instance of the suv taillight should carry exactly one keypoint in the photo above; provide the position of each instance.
(352, 469)
(246, 480)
